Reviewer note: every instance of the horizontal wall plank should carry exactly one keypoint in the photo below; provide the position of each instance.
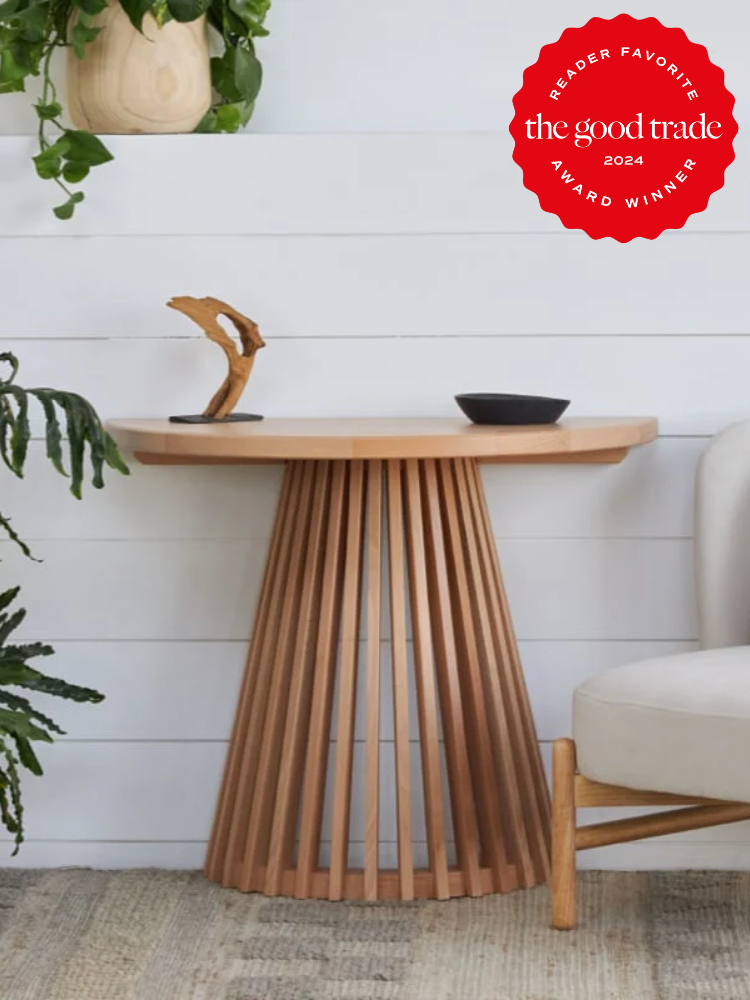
(450, 73)
(376, 286)
(308, 184)
(121, 792)
(348, 377)
(183, 691)
(138, 590)
(107, 854)
(324, 64)
(648, 496)
(559, 588)
(218, 502)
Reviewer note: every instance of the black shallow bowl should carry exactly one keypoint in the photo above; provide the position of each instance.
(505, 408)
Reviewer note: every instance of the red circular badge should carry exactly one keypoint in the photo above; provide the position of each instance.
(623, 128)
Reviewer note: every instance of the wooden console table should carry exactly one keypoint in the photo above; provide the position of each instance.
(371, 507)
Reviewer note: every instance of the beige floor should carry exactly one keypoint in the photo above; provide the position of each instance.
(154, 935)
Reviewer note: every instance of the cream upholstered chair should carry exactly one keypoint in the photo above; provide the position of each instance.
(672, 731)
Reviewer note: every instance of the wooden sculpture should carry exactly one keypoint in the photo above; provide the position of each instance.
(205, 312)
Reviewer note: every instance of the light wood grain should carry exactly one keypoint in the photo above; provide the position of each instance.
(258, 828)
(316, 761)
(424, 661)
(620, 831)
(462, 794)
(206, 312)
(389, 884)
(374, 544)
(242, 762)
(398, 598)
(380, 438)
(563, 835)
(255, 672)
(350, 615)
(487, 779)
(502, 712)
(528, 762)
(286, 802)
(592, 794)
(157, 80)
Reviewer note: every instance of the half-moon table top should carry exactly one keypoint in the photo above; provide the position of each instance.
(583, 439)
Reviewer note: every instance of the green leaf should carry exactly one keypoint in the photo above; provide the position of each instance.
(33, 21)
(252, 13)
(48, 164)
(65, 211)
(90, 7)
(15, 537)
(160, 10)
(222, 76)
(27, 756)
(8, 596)
(228, 117)
(15, 724)
(85, 148)
(53, 434)
(208, 124)
(26, 55)
(136, 11)
(47, 112)
(80, 36)
(8, 358)
(74, 173)
(248, 73)
(12, 75)
(187, 10)
(8, 9)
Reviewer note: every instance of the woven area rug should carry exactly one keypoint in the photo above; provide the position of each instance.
(155, 935)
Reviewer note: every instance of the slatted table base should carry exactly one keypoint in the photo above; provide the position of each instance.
(347, 532)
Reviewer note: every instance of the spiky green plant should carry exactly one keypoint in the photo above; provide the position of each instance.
(21, 724)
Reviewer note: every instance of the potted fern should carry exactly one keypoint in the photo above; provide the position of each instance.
(21, 724)
(133, 66)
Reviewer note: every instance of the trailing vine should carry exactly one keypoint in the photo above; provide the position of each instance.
(32, 30)
(21, 724)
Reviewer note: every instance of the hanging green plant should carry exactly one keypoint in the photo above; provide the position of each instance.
(21, 724)
(32, 30)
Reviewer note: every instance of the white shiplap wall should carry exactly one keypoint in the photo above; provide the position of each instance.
(392, 258)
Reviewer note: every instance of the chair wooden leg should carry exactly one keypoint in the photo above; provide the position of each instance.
(563, 835)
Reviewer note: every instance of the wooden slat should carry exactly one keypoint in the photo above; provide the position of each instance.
(374, 542)
(486, 784)
(389, 884)
(525, 747)
(326, 650)
(620, 831)
(267, 638)
(590, 794)
(342, 778)
(563, 835)
(255, 852)
(397, 571)
(380, 437)
(452, 711)
(504, 727)
(606, 456)
(253, 667)
(286, 810)
(424, 663)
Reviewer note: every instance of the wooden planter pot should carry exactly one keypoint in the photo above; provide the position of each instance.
(158, 81)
